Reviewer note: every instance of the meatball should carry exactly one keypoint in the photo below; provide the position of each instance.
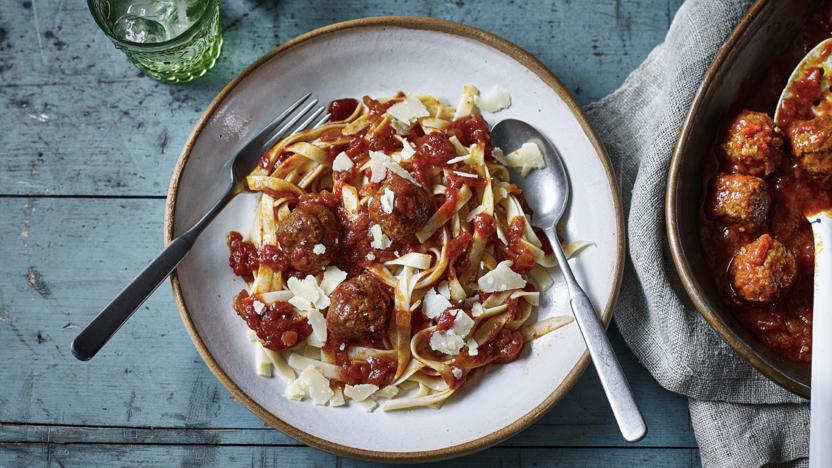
(738, 200)
(762, 270)
(309, 237)
(403, 213)
(752, 144)
(359, 310)
(812, 146)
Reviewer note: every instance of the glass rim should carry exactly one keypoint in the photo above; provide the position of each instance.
(148, 45)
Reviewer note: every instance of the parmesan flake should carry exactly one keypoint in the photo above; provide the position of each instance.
(380, 240)
(388, 200)
(342, 162)
(360, 392)
(258, 307)
(526, 158)
(408, 110)
(434, 304)
(501, 278)
(495, 100)
(378, 168)
(319, 249)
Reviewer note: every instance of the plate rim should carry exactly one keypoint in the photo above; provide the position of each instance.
(420, 23)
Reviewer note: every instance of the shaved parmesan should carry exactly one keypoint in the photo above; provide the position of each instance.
(526, 158)
(462, 323)
(318, 322)
(446, 342)
(434, 304)
(495, 100)
(319, 249)
(380, 240)
(258, 307)
(378, 162)
(333, 276)
(457, 159)
(413, 259)
(389, 391)
(338, 398)
(501, 278)
(477, 309)
(473, 347)
(295, 391)
(401, 128)
(444, 290)
(307, 294)
(275, 296)
(370, 256)
(497, 153)
(342, 162)
(388, 200)
(466, 174)
(457, 372)
(401, 172)
(407, 150)
(408, 110)
(368, 405)
(360, 392)
(316, 385)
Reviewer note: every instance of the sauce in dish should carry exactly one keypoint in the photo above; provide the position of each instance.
(767, 178)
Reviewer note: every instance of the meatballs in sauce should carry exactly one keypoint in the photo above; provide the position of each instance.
(755, 234)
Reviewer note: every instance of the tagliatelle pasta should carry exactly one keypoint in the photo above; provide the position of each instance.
(391, 256)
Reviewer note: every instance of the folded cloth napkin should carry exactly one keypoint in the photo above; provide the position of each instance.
(739, 417)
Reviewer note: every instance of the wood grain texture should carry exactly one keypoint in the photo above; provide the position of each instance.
(86, 149)
(78, 119)
(59, 270)
(214, 456)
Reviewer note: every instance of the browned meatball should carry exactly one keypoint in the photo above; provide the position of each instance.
(738, 200)
(762, 270)
(752, 145)
(301, 235)
(411, 208)
(359, 310)
(812, 146)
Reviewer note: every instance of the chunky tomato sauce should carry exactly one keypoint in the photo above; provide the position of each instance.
(280, 327)
(785, 325)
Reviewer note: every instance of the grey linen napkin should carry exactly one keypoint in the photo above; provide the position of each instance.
(739, 417)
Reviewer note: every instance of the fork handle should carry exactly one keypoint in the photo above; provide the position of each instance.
(106, 324)
(618, 392)
(98, 332)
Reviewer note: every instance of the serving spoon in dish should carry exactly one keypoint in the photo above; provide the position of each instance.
(807, 94)
(548, 209)
(112, 317)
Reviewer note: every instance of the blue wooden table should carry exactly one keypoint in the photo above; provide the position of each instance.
(87, 145)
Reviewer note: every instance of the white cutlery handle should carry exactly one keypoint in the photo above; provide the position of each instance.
(820, 440)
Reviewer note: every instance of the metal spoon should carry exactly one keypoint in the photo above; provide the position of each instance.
(816, 65)
(549, 205)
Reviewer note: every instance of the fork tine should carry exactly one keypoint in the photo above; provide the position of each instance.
(306, 123)
(276, 121)
(291, 123)
(323, 120)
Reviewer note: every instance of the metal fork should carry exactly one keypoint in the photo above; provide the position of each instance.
(107, 323)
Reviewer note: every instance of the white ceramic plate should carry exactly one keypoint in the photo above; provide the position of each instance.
(377, 57)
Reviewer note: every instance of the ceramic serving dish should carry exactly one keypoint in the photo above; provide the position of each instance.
(377, 57)
(749, 51)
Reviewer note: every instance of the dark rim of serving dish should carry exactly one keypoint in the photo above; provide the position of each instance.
(686, 276)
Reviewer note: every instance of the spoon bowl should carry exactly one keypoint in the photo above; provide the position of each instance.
(549, 205)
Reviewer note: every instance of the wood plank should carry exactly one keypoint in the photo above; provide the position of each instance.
(77, 119)
(63, 258)
(71, 455)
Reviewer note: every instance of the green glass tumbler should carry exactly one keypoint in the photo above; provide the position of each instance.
(173, 41)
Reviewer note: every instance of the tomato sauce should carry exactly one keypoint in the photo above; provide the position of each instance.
(277, 324)
(784, 326)
(340, 109)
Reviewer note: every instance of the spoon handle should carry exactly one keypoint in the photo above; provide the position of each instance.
(820, 426)
(612, 377)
